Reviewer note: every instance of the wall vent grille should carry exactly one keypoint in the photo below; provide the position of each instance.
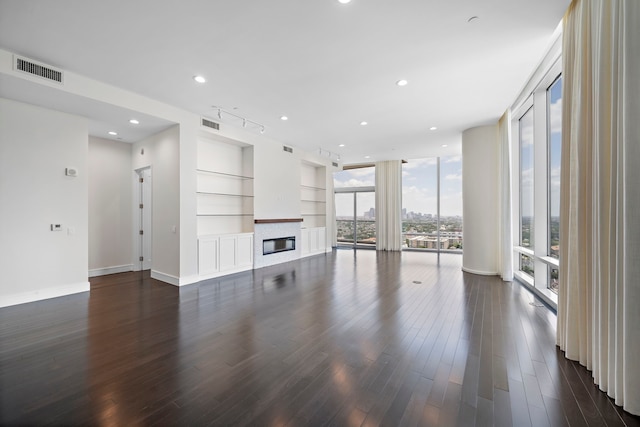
(335, 164)
(35, 69)
(210, 124)
(287, 149)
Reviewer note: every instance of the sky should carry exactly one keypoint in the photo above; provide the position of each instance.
(527, 152)
(419, 187)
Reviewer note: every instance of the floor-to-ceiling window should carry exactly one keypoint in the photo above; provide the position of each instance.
(537, 130)
(355, 201)
(432, 204)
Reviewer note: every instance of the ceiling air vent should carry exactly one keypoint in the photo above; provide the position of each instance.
(209, 124)
(335, 164)
(287, 149)
(36, 69)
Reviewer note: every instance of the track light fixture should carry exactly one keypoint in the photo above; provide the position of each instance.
(245, 121)
(330, 154)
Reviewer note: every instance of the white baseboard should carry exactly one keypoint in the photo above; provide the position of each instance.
(318, 252)
(110, 270)
(42, 294)
(167, 278)
(224, 273)
(183, 281)
(479, 272)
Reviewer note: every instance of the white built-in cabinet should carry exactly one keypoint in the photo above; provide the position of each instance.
(224, 254)
(224, 207)
(313, 205)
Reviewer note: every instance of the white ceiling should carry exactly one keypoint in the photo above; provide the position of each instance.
(325, 65)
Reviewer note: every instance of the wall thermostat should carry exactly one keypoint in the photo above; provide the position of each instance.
(71, 171)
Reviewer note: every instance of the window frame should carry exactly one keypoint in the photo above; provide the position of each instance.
(543, 263)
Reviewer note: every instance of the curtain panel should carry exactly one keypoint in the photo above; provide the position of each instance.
(599, 294)
(389, 205)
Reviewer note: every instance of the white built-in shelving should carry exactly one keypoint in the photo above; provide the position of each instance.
(224, 193)
(313, 195)
(224, 207)
(313, 206)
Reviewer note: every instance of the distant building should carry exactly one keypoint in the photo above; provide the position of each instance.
(428, 242)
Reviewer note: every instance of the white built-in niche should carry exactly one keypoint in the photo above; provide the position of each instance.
(313, 206)
(224, 197)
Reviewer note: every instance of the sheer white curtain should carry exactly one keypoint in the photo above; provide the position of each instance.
(389, 205)
(599, 295)
(505, 259)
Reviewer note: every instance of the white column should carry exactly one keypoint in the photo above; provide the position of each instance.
(480, 174)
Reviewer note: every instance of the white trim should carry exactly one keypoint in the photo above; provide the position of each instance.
(183, 281)
(554, 262)
(110, 270)
(42, 294)
(222, 273)
(542, 294)
(167, 278)
(481, 273)
(527, 251)
(524, 278)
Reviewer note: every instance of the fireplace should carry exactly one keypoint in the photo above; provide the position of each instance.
(281, 244)
(276, 241)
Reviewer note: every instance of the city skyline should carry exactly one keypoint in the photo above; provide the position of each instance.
(419, 187)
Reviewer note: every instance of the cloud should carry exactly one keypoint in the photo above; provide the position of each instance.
(415, 163)
(526, 177)
(555, 116)
(453, 177)
(526, 134)
(360, 172)
(452, 159)
(353, 182)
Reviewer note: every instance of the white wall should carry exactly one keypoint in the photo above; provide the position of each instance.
(36, 145)
(188, 182)
(276, 182)
(162, 153)
(480, 154)
(110, 206)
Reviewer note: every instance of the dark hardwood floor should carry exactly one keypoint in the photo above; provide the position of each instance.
(347, 339)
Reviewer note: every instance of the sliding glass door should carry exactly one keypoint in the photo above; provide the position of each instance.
(356, 217)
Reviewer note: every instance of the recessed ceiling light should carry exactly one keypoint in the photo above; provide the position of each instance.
(402, 82)
(444, 145)
(433, 128)
(363, 123)
(113, 133)
(199, 79)
(284, 118)
(344, 1)
(367, 157)
(134, 122)
(341, 145)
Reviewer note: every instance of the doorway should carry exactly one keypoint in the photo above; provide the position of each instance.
(143, 230)
(355, 217)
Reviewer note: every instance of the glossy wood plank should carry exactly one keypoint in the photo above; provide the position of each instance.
(351, 338)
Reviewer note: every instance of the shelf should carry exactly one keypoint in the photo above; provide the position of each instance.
(277, 220)
(224, 214)
(226, 175)
(313, 188)
(206, 193)
(313, 201)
